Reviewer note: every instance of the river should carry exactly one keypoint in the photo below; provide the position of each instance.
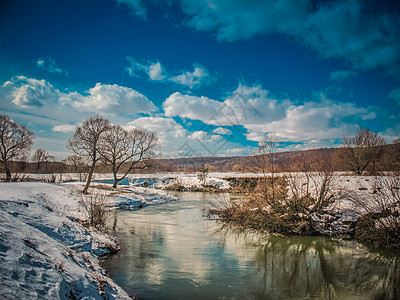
(171, 251)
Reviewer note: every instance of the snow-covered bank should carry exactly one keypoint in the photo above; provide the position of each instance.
(44, 252)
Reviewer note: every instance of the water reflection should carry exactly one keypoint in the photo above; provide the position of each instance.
(172, 252)
(312, 267)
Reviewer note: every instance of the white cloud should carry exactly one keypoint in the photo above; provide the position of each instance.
(167, 129)
(259, 114)
(223, 131)
(28, 92)
(111, 99)
(154, 70)
(198, 76)
(157, 72)
(49, 64)
(66, 128)
(204, 136)
(246, 105)
(313, 120)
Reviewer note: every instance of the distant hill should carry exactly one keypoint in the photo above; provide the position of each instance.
(283, 161)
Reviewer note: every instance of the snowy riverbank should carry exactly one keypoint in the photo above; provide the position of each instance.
(45, 252)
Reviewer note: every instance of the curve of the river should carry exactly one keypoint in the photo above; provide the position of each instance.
(171, 251)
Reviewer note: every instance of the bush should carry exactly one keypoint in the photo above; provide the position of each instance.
(380, 223)
(97, 208)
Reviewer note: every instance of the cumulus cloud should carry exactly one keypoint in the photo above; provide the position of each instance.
(49, 64)
(313, 120)
(166, 129)
(191, 79)
(43, 98)
(246, 105)
(29, 92)
(223, 131)
(154, 70)
(252, 108)
(111, 99)
(204, 136)
(66, 128)
(348, 29)
(157, 72)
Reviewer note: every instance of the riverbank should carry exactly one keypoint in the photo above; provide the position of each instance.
(366, 207)
(46, 252)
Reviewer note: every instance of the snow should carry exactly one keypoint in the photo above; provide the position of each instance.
(135, 197)
(44, 252)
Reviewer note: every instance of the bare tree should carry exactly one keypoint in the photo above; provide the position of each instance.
(76, 164)
(362, 150)
(264, 161)
(120, 147)
(85, 142)
(41, 156)
(15, 141)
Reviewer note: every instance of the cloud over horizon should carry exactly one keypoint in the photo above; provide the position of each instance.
(259, 114)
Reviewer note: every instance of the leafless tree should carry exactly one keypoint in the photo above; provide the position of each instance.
(85, 142)
(15, 141)
(77, 165)
(362, 150)
(120, 147)
(264, 161)
(41, 156)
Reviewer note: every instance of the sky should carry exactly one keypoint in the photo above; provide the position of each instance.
(208, 77)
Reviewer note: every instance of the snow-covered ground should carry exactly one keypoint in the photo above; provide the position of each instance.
(45, 253)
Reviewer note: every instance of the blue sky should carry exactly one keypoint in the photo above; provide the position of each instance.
(210, 78)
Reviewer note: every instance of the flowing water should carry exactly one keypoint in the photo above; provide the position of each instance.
(171, 251)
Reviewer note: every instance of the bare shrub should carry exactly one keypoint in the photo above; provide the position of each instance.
(19, 177)
(202, 175)
(97, 207)
(52, 178)
(282, 203)
(311, 191)
(380, 222)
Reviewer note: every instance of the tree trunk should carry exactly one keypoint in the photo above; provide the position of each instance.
(116, 180)
(8, 172)
(89, 179)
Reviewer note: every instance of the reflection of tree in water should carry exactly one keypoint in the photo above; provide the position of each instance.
(317, 267)
(141, 252)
